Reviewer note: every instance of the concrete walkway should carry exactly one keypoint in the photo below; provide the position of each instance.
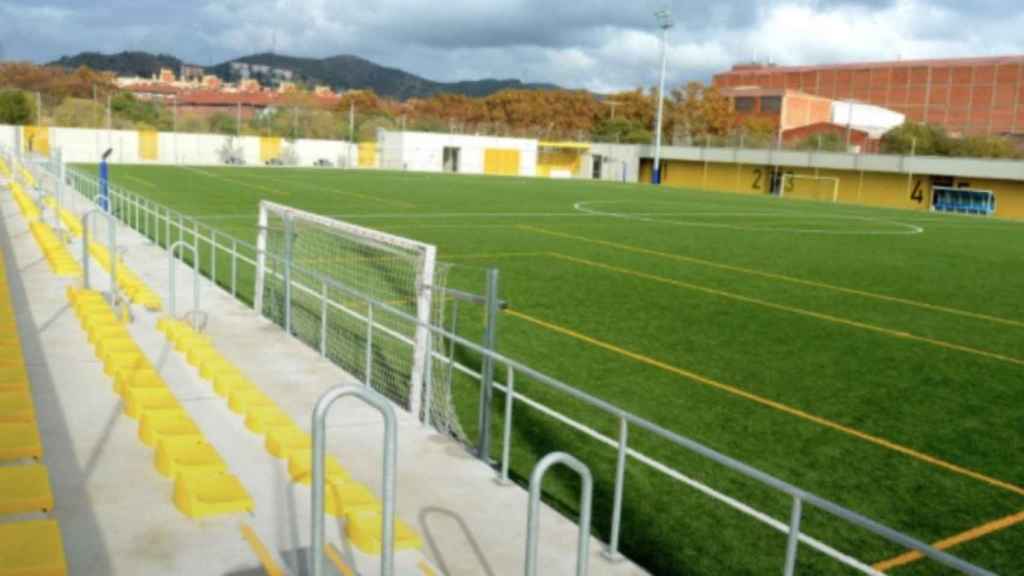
(115, 510)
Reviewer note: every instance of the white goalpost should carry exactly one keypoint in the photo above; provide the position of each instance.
(324, 281)
(808, 186)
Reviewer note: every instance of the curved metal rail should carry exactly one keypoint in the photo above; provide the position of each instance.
(533, 519)
(323, 406)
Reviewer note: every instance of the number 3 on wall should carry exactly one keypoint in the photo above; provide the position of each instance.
(917, 195)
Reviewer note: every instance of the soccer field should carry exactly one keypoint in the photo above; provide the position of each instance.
(872, 356)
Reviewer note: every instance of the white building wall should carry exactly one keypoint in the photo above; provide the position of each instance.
(424, 151)
(873, 119)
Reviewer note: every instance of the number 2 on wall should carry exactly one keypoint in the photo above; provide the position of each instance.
(757, 179)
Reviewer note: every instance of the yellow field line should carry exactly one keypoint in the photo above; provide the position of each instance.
(878, 441)
(398, 203)
(793, 310)
(233, 181)
(955, 540)
(266, 559)
(425, 568)
(471, 256)
(335, 559)
(140, 181)
(780, 277)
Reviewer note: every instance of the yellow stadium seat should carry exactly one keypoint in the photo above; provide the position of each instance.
(31, 548)
(24, 489)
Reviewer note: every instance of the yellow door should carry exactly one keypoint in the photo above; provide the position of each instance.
(149, 145)
(37, 139)
(501, 162)
(270, 148)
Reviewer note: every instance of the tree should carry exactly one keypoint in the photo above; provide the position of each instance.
(621, 130)
(78, 113)
(921, 139)
(757, 132)
(16, 108)
(221, 123)
(827, 141)
(699, 111)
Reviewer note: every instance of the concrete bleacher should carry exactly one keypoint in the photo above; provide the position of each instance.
(172, 451)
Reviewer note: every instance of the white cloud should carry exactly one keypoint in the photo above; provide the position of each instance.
(596, 44)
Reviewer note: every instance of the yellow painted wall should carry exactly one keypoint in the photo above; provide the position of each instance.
(270, 148)
(500, 161)
(36, 139)
(683, 174)
(646, 168)
(149, 145)
(558, 159)
(367, 154)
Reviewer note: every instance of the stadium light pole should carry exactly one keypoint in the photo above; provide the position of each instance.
(664, 17)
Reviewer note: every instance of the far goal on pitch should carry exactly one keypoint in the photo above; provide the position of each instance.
(809, 187)
(361, 297)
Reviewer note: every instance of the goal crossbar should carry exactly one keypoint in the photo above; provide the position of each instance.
(372, 248)
(833, 180)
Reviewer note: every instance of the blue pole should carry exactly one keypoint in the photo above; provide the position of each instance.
(104, 189)
(656, 174)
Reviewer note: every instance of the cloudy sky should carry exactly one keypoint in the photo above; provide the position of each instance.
(592, 44)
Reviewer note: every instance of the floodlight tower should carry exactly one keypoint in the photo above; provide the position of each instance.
(664, 17)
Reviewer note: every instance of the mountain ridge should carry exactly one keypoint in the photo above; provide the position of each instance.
(340, 72)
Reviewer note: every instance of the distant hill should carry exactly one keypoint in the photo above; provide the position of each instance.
(342, 72)
(123, 63)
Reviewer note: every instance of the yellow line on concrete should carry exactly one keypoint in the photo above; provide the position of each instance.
(335, 558)
(955, 540)
(784, 408)
(425, 568)
(794, 310)
(780, 277)
(266, 559)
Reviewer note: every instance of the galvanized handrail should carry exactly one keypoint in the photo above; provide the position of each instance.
(111, 250)
(533, 516)
(323, 406)
(172, 288)
(625, 419)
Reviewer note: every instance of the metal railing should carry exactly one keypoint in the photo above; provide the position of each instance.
(389, 465)
(150, 217)
(172, 287)
(533, 515)
(111, 250)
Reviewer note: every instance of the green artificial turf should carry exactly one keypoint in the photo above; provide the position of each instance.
(819, 343)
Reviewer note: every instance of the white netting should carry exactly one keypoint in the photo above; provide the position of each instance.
(369, 265)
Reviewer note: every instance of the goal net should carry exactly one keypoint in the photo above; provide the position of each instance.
(809, 187)
(362, 298)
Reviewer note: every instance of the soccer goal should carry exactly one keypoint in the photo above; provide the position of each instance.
(809, 187)
(362, 297)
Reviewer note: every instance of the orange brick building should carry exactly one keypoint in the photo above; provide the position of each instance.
(966, 96)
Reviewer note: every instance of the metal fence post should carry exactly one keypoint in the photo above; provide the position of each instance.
(506, 442)
(234, 266)
(487, 368)
(793, 540)
(323, 406)
(323, 318)
(368, 372)
(612, 552)
(533, 518)
(289, 227)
